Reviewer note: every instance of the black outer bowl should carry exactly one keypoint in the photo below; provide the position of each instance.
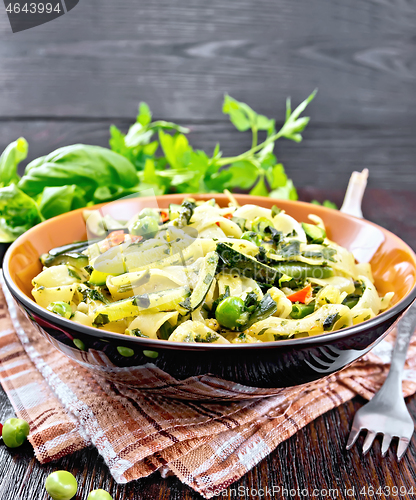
(206, 371)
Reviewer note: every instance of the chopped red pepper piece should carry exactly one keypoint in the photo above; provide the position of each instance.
(304, 295)
(135, 237)
(112, 240)
(116, 237)
(228, 216)
(164, 215)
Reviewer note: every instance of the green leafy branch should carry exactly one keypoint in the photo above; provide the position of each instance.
(182, 169)
(153, 154)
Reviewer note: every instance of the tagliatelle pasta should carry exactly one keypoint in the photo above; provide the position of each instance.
(202, 273)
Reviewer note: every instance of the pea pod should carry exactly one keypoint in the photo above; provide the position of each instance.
(299, 311)
(15, 432)
(301, 270)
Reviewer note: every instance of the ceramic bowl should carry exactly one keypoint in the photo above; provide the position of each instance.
(218, 371)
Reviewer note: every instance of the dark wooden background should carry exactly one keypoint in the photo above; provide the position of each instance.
(68, 80)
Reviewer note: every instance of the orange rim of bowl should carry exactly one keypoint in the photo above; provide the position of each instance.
(322, 338)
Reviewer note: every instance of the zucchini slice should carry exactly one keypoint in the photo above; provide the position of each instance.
(78, 260)
(168, 300)
(72, 247)
(314, 234)
(245, 266)
(174, 211)
(206, 277)
(98, 278)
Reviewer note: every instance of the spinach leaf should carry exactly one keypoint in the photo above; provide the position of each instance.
(265, 308)
(18, 213)
(289, 249)
(10, 159)
(326, 254)
(330, 321)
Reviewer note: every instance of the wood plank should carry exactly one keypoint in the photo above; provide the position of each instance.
(314, 459)
(325, 159)
(100, 59)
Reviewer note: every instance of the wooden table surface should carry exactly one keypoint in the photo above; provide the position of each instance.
(311, 464)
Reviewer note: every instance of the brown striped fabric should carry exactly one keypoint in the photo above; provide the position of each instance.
(206, 445)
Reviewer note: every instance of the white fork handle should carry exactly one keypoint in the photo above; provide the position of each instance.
(405, 329)
(354, 194)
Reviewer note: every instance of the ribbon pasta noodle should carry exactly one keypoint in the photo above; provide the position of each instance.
(204, 274)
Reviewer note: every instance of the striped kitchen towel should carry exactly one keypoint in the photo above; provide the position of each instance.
(206, 445)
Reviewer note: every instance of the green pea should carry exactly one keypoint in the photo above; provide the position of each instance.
(99, 495)
(80, 344)
(151, 354)
(125, 351)
(229, 311)
(146, 227)
(253, 237)
(61, 308)
(259, 224)
(61, 485)
(15, 432)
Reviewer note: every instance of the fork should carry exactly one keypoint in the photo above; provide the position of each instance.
(386, 413)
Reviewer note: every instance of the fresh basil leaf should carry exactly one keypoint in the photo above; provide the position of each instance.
(88, 167)
(61, 199)
(14, 153)
(109, 193)
(18, 213)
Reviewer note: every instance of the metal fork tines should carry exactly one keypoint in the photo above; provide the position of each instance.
(386, 413)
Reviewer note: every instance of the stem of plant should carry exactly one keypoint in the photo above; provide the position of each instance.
(254, 141)
(250, 152)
